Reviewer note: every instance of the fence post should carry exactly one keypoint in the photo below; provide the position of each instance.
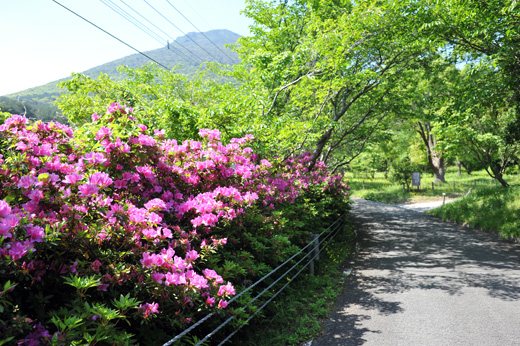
(363, 182)
(316, 245)
(314, 250)
(404, 189)
(475, 183)
(443, 198)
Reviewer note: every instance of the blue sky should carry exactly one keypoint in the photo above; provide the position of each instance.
(41, 41)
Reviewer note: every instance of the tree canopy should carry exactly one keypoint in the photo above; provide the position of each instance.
(333, 76)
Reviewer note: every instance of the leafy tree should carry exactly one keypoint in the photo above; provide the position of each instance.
(432, 95)
(484, 33)
(478, 121)
(328, 69)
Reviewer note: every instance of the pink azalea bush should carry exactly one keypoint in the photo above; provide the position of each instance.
(118, 229)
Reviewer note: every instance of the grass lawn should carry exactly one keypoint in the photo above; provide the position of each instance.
(383, 190)
(490, 207)
(494, 209)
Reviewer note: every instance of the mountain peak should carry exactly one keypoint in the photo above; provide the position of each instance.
(187, 52)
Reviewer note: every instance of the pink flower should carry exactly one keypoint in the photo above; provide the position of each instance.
(35, 195)
(175, 279)
(94, 266)
(158, 277)
(146, 171)
(72, 178)
(101, 179)
(72, 268)
(36, 233)
(88, 189)
(26, 182)
(159, 133)
(95, 117)
(148, 309)
(19, 249)
(210, 301)
(227, 289)
(95, 158)
(192, 256)
(155, 204)
(8, 223)
(5, 209)
(120, 184)
(199, 282)
(222, 304)
(114, 107)
(179, 264)
(147, 260)
(211, 274)
(127, 175)
(103, 133)
(137, 214)
(146, 140)
(210, 134)
(103, 287)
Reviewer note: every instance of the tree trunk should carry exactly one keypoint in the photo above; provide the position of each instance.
(501, 180)
(485, 157)
(459, 168)
(435, 159)
(436, 162)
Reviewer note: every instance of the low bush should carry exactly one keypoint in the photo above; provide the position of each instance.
(117, 235)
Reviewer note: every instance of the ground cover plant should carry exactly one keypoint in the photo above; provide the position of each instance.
(490, 208)
(116, 235)
(298, 315)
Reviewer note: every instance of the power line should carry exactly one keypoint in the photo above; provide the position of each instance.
(131, 19)
(223, 52)
(177, 29)
(116, 8)
(205, 22)
(106, 32)
(181, 31)
(168, 46)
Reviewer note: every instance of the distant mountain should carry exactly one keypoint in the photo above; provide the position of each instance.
(189, 51)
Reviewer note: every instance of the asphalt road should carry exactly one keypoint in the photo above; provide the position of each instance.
(422, 207)
(420, 281)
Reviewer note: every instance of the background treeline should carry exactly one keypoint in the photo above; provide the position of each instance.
(32, 110)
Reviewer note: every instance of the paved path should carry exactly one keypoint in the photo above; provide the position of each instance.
(420, 281)
(422, 207)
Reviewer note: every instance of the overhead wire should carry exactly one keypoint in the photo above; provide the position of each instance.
(167, 35)
(169, 21)
(205, 22)
(189, 21)
(134, 21)
(106, 32)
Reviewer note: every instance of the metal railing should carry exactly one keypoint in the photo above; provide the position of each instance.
(312, 253)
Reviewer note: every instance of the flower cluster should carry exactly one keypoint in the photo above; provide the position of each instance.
(141, 212)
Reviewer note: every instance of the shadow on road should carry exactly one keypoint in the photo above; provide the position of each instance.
(404, 251)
